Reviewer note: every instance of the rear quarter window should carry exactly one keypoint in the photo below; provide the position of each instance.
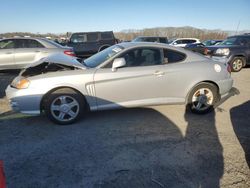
(171, 56)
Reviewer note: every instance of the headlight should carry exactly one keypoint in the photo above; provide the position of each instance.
(20, 83)
(222, 51)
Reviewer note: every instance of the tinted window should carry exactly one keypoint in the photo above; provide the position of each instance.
(230, 41)
(91, 37)
(179, 41)
(7, 44)
(107, 35)
(146, 39)
(151, 39)
(171, 56)
(78, 37)
(163, 40)
(33, 44)
(21, 43)
(143, 57)
(188, 41)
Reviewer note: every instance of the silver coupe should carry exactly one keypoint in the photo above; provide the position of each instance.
(124, 75)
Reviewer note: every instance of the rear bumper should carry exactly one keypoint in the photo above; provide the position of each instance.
(221, 59)
(225, 86)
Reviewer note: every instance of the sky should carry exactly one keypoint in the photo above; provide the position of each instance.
(60, 16)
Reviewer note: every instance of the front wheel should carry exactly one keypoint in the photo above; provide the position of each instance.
(64, 106)
(202, 98)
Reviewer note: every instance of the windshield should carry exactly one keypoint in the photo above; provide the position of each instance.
(229, 41)
(102, 56)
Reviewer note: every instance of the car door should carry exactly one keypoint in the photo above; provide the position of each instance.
(26, 51)
(7, 54)
(141, 82)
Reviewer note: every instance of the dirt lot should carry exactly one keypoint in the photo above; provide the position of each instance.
(163, 146)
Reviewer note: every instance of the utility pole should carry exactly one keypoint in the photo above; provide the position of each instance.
(237, 28)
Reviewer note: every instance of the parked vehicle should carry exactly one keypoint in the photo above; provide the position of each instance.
(182, 42)
(17, 53)
(151, 39)
(86, 44)
(197, 47)
(123, 75)
(235, 50)
(211, 42)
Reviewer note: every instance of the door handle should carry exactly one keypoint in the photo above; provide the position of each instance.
(8, 53)
(159, 73)
(37, 51)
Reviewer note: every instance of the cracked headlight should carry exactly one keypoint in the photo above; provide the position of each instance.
(20, 83)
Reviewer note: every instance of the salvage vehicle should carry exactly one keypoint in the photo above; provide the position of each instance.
(86, 44)
(235, 51)
(17, 53)
(123, 75)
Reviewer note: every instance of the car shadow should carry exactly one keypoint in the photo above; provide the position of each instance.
(240, 121)
(136, 147)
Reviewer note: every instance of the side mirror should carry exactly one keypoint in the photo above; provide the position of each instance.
(175, 43)
(118, 62)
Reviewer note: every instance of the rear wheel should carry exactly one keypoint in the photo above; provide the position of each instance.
(237, 63)
(64, 106)
(202, 98)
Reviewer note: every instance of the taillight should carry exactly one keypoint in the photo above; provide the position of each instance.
(229, 69)
(205, 51)
(69, 52)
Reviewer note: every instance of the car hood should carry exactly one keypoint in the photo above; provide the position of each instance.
(61, 59)
(52, 63)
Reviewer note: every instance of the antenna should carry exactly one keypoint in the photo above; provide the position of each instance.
(237, 28)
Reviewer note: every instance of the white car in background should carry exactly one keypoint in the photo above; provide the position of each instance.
(18, 52)
(182, 42)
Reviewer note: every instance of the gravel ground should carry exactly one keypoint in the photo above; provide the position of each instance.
(162, 146)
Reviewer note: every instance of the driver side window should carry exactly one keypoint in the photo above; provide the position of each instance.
(143, 57)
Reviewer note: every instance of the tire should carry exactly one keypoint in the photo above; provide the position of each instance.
(237, 63)
(202, 98)
(64, 106)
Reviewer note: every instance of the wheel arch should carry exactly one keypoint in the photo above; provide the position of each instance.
(103, 47)
(240, 55)
(202, 82)
(62, 87)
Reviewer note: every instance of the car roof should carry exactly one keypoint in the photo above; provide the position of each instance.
(186, 39)
(36, 38)
(92, 32)
(243, 35)
(150, 44)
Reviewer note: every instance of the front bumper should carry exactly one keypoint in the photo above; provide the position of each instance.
(21, 100)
